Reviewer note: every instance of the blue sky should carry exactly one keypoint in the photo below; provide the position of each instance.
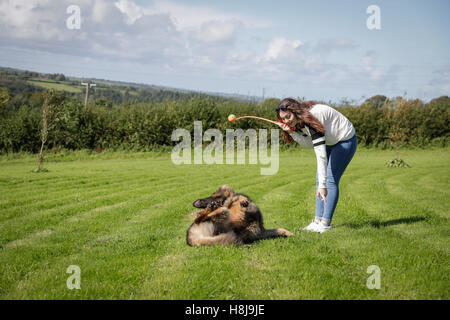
(313, 49)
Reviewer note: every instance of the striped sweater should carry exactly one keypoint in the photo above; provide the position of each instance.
(337, 128)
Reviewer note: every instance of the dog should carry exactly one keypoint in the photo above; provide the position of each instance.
(229, 218)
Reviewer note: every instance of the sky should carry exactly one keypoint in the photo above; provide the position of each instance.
(322, 50)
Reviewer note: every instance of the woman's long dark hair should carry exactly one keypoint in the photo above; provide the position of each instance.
(301, 112)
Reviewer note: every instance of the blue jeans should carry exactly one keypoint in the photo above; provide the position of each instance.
(339, 156)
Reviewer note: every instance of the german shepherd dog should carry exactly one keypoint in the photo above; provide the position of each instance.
(229, 218)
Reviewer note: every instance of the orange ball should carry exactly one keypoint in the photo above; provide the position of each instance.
(231, 118)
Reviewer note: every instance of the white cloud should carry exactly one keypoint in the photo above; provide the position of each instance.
(130, 10)
(103, 13)
(173, 34)
(282, 48)
(108, 30)
(373, 72)
(191, 17)
(217, 31)
(29, 19)
(326, 46)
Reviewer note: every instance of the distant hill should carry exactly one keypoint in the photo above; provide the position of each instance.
(115, 92)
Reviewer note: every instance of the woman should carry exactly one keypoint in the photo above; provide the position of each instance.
(334, 141)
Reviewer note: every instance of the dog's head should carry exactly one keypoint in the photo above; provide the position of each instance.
(221, 196)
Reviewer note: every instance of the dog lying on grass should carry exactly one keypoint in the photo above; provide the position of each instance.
(229, 218)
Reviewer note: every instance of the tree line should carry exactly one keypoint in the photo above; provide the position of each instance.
(379, 122)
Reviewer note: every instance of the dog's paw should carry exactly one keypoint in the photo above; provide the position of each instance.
(285, 233)
(198, 219)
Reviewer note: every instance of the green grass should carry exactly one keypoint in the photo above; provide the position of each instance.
(50, 84)
(122, 218)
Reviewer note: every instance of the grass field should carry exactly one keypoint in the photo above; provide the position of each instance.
(122, 218)
(50, 84)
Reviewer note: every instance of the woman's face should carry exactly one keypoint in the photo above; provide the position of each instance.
(288, 117)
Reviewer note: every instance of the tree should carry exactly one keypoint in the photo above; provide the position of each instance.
(51, 101)
(60, 77)
(403, 124)
(5, 95)
(441, 101)
(271, 103)
(376, 102)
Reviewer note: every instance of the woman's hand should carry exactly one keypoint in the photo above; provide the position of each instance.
(322, 193)
(285, 127)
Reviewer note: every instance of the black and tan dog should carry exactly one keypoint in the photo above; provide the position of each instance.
(229, 218)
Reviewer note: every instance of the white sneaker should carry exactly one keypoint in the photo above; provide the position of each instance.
(312, 226)
(321, 228)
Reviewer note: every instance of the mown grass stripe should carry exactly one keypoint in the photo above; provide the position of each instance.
(88, 204)
(130, 179)
(67, 181)
(45, 195)
(42, 198)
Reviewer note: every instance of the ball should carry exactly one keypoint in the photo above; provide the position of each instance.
(231, 118)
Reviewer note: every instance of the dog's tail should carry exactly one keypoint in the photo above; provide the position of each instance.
(203, 234)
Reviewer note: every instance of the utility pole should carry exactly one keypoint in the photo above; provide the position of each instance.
(262, 99)
(88, 85)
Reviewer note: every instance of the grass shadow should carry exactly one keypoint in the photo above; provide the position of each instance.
(378, 224)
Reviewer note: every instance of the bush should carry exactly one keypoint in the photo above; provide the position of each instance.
(379, 122)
